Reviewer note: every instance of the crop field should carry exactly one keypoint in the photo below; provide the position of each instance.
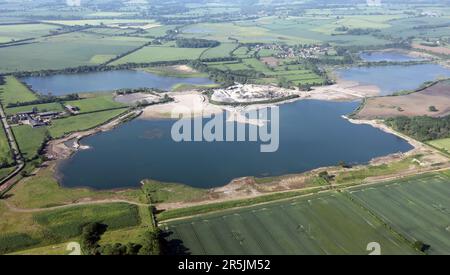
(443, 144)
(66, 223)
(223, 50)
(20, 230)
(318, 224)
(417, 207)
(14, 91)
(62, 51)
(160, 53)
(9, 33)
(107, 22)
(287, 30)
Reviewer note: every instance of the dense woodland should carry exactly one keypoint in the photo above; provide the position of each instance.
(196, 43)
(422, 128)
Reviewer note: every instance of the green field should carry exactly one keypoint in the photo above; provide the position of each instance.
(5, 172)
(418, 208)
(30, 140)
(62, 51)
(14, 91)
(5, 150)
(160, 53)
(56, 107)
(223, 50)
(96, 103)
(9, 33)
(22, 230)
(395, 214)
(66, 223)
(442, 144)
(60, 127)
(318, 224)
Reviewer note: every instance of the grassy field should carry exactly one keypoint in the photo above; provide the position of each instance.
(10, 33)
(67, 223)
(173, 71)
(5, 150)
(43, 190)
(62, 51)
(160, 53)
(98, 102)
(318, 224)
(14, 91)
(416, 207)
(98, 22)
(56, 107)
(223, 50)
(60, 127)
(159, 192)
(5, 172)
(28, 230)
(442, 144)
(30, 140)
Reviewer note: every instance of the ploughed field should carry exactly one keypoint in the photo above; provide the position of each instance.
(396, 215)
(414, 104)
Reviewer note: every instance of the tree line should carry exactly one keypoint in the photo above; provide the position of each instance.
(196, 43)
(44, 99)
(422, 128)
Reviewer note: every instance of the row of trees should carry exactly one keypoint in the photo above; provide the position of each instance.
(43, 99)
(196, 43)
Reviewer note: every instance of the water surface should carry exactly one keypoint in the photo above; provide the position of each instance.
(395, 78)
(64, 84)
(312, 134)
(388, 56)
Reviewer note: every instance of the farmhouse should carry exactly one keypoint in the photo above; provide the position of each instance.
(72, 109)
(33, 118)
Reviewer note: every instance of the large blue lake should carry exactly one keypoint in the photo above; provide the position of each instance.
(64, 84)
(312, 134)
(395, 78)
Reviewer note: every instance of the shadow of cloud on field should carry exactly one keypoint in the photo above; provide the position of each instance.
(174, 246)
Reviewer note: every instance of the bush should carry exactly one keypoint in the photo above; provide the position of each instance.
(15, 241)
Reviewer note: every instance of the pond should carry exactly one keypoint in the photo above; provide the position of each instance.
(394, 78)
(312, 134)
(64, 84)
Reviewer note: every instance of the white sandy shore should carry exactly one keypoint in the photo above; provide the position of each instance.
(194, 103)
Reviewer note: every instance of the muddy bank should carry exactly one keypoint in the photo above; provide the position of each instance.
(63, 148)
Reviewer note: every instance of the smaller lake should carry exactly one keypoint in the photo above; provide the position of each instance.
(64, 84)
(387, 56)
(395, 78)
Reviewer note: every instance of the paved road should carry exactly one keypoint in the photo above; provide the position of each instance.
(6, 183)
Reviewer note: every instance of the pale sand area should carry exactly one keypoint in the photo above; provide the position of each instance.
(194, 103)
(344, 90)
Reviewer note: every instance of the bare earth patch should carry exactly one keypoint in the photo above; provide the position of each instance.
(438, 50)
(271, 61)
(415, 104)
